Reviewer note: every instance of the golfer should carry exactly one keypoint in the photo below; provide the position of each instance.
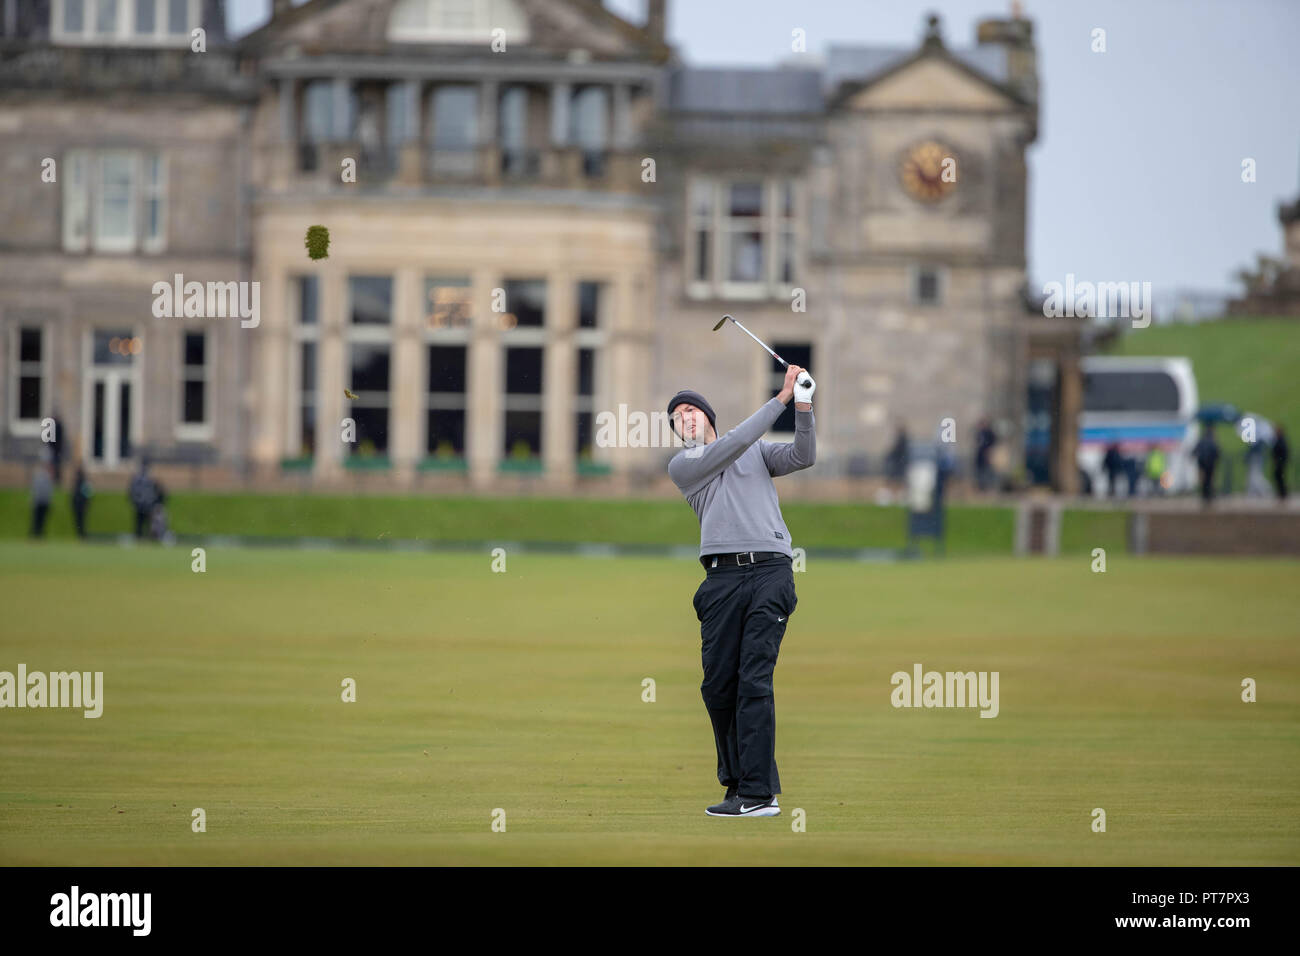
(747, 596)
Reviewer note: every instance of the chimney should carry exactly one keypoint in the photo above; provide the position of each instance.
(656, 18)
(1016, 37)
(280, 7)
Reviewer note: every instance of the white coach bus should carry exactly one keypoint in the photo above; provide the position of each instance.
(1138, 403)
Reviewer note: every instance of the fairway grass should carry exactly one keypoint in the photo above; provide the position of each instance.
(523, 691)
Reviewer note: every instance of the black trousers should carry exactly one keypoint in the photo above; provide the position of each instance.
(39, 513)
(743, 612)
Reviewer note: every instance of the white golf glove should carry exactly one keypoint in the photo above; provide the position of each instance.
(802, 394)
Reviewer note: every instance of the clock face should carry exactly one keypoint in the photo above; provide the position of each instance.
(924, 175)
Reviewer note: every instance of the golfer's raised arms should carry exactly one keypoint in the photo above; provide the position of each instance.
(783, 457)
(693, 466)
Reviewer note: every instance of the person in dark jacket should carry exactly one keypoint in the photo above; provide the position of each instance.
(81, 495)
(985, 439)
(896, 460)
(56, 449)
(1281, 457)
(1112, 464)
(143, 494)
(42, 494)
(1207, 458)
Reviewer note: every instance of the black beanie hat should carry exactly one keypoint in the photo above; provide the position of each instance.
(690, 397)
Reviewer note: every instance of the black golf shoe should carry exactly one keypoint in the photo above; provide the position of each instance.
(738, 806)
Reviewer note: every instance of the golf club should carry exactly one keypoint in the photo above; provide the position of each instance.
(803, 382)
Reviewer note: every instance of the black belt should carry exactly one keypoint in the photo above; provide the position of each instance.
(736, 559)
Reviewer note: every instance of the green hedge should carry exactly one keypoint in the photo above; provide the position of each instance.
(971, 530)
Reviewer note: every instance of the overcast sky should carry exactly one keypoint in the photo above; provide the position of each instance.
(1136, 174)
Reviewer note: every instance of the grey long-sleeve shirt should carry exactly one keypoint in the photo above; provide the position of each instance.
(729, 481)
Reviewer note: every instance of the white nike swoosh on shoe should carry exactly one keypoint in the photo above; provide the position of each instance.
(780, 619)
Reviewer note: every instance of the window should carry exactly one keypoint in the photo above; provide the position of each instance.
(523, 403)
(370, 300)
(445, 400)
(796, 353)
(743, 237)
(927, 285)
(1125, 391)
(196, 386)
(448, 315)
(399, 100)
(526, 301)
(589, 118)
(114, 201)
(518, 158)
(456, 21)
(125, 22)
(589, 341)
(447, 303)
(114, 210)
(28, 400)
(590, 300)
(454, 129)
(584, 403)
(154, 193)
(321, 105)
(304, 294)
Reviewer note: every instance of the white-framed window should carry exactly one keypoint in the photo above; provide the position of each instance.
(743, 237)
(304, 305)
(369, 362)
(448, 315)
(29, 378)
(457, 21)
(197, 374)
(153, 189)
(927, 285)
(124, 22)
(114, 201)
(590, 340)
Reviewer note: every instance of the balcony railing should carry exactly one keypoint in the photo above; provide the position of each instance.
(317, 164)
(521, 163)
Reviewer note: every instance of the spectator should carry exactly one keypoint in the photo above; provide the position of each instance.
(56, 449)
(81, 495)
(1112, 464)
(1207, 457)
(985, 439)
(1156, 470)
(896, 461)
(1256, 483)
(42, 493)
(1131, 473)
(158, 529)
(1281, 456)
(143, 493)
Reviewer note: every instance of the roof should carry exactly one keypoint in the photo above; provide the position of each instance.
(777, 90)
(746, 90)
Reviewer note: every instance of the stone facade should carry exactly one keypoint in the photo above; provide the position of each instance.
(581, 179)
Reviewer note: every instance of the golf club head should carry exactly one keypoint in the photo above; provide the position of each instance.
(721, 322)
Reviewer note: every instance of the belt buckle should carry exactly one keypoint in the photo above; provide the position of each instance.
(741, 553)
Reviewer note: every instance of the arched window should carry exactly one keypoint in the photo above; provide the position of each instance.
(456, 21)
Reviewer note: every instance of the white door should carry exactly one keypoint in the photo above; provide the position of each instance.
(112, 404)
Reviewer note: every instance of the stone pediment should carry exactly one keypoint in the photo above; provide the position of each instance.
(928, 81)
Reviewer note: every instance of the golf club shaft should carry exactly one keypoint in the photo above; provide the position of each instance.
(760, 342)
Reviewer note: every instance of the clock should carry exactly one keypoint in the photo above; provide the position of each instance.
(923, 171)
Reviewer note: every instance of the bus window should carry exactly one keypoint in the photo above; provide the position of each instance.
(1119, 391)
